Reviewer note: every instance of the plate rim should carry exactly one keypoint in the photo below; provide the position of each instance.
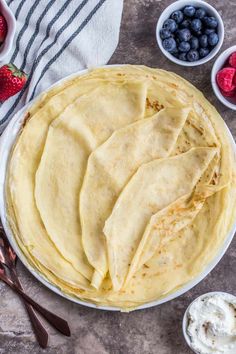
(7, 140)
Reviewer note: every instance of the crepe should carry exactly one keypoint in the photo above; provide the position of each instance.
(126, 224)
(114, 163)
(71, 137)
(166, 224)
(121, 185)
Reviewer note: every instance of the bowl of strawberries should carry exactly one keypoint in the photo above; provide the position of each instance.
(223, 77)
(7, 29)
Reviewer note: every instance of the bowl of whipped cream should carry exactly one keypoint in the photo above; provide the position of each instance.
(209, 324)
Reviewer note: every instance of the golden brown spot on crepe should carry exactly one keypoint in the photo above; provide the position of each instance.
(178, 265)
(154, 105)
(148, 103)
(173, 85)
(146, 266)
(157, 274)
(157, 106)
(214, 178)
(25, 120)
(199, 129)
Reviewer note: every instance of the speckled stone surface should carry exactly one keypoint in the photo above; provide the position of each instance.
(156, 330)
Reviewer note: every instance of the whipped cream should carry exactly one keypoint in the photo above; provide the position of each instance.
(211, 324)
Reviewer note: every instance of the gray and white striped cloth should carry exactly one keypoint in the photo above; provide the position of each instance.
(55, 38)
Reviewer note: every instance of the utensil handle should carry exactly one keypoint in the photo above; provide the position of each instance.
(56, 321)
(39, 329)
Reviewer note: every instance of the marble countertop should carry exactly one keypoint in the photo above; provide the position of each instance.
(155, 330)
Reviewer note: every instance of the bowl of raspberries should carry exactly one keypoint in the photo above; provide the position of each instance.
(190, 33)
(7, 29)
(223, 77)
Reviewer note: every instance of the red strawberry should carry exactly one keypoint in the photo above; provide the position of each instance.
(12, 81)
(225, 79)
(232, 60)
(3, 29)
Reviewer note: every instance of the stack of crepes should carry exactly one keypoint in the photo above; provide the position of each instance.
(121, 185)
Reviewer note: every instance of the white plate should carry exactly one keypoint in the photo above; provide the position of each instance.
(6, 142)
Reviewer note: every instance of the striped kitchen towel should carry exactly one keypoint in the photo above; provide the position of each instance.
(56, 38)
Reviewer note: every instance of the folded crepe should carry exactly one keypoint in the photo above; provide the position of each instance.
(154, 186)
(70, 139)
(109, 169)
(121, 185)
(166, 224)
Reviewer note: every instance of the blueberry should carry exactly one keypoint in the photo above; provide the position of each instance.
(175, 54)
(203, 52)
(175, 51)
(184, 35)
(182, 56)
(177, 16)
(177, 39)
(210, 22)
(203, 41)
(189, 11)
(200, 13)
(170, 25)
(209, 30)
(184, 47)
(196, 25)
(193, 55)
(185, 23)
(165, 33)
(194, 43)
(198, 33)
(213, 39)
(169, 44)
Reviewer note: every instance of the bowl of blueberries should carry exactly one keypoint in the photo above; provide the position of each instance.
(190, 33)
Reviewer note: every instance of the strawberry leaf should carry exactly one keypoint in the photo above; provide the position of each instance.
(15, 71)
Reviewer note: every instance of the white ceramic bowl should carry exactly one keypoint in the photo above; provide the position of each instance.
(219, 63)
(11, 29)
(7, 140)
(185, 318)
(177, 5)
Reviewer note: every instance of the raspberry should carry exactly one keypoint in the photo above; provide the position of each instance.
(232, 60)
(229, 94)
(225, 78)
